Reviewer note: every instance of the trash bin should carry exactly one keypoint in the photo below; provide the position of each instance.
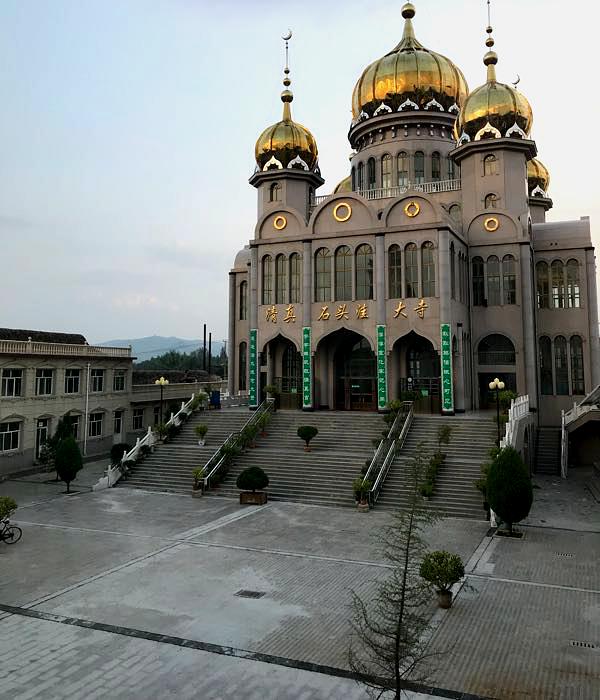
(215, 399)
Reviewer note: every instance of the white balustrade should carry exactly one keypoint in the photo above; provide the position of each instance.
(26, 347)
(391, 192)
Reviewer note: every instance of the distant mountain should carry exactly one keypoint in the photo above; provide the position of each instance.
(155, 345)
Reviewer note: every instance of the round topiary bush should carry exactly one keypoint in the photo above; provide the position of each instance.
(252, 479)
(509, 489)
(307, 433)
(442, 570)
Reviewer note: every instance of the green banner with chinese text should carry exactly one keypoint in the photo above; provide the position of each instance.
(446, 356)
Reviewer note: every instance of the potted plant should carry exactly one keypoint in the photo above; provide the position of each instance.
(263, 421)
(361, 488)
(201, 431)
(442, 570)
(198, 487)
(161, 432)
(307, 433)
(251, 482)
(248, 436)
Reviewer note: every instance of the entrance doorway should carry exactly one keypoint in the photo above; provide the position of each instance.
(355, 374)
(417, 368)
(41, 435)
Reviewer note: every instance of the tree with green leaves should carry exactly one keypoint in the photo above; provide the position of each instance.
(64, 429)
(68, 460)
(387, 645)
(508, 486)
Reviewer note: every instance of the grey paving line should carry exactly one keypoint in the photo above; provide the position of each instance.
(552, 586)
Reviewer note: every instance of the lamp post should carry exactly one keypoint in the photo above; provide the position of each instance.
(162, 383)
(497, 386)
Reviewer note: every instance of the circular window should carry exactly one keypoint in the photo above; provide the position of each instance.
(412, 209)
(342, 212)
(280, 223)
(491, 224)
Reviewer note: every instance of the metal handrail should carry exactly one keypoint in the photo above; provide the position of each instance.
(383, 448)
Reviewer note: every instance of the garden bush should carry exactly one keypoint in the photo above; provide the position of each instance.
(509, 489)
(252, 479)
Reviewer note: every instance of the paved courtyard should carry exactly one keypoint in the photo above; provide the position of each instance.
(131, 594)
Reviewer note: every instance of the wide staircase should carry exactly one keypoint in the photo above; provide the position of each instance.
(170, 466)
(454, 493)
(322, 476)
(548, 451)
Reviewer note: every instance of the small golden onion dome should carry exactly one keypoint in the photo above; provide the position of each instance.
(344, 186)
(409, 72)
(537, 177)
(493, 109)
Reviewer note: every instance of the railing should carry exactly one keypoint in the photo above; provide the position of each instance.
(398, 191)
(26, 347)
(519, 408)
(381, 461)
(218, 459)
(564, 446)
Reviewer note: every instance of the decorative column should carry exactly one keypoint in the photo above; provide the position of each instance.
(447, 379)
(592, 304)
(529, 336)
(253, 368)
(460, 370)
(306, 282)
(231, 371)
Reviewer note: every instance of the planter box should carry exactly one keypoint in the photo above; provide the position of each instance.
(197, 493)
(247, 498)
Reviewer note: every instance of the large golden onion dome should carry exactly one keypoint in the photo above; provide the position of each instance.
(286, 144)
(494, 110)
(538, 178)
(409, 77)
(344, 185)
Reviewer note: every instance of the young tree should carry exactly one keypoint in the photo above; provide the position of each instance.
(509, 489)
(68, 460)
(63, 430)
(387, 645)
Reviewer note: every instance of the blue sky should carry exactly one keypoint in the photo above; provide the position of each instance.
(128, 129)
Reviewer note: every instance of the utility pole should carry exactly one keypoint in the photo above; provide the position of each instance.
(209, 352)
(204, 350)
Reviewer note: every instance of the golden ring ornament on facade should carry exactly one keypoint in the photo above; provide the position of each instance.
(346, 208)
(280, 222)
(412, 209)
(491, 224)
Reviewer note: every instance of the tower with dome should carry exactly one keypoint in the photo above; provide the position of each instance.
(431, 268)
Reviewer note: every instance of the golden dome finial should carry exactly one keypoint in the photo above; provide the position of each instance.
(287, 96)
(408, 12)
(491, 57)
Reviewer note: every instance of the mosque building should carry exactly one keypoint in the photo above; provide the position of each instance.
(430, 270)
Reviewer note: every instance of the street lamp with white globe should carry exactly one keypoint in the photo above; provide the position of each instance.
(162, 383)
(497, 386)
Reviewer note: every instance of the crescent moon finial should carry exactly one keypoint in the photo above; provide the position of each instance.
(288, 36)
(517, 81)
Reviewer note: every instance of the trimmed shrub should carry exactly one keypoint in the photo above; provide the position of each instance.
(252, 479)
(307, 433)
(442, 570)
(509, 489)
(116, 452)
(8, 506)
(361, 488)
(68, 461)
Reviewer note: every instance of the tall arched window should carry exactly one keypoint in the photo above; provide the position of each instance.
(386, 171)
(577, 376)
(267, 280)
(353, 178)
(573, 295)
(243, 301)
(428, 269)
(323, 275)
(291, 370)
(546, 383)
(402, 169)
(242, 366)
(361, 177)
(542, 285)
(490, 165)
(451, 169)
(419, 167)
(281, 279)
(491, 201)
(364, 272)
(343, 273)
(478, 281)
(295, 278)
(509, 280)
(371, 181)
(558, 284)
(452, 272)
(411, 271)
(436, 167)
(561, 369)
(395, 271)
(496, 349)
(275, 192)
(493, 281)
(456, 212)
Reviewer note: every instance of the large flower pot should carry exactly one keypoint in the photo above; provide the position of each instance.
(248, 498)
(444, 599)
(363, 507)
(197, 493)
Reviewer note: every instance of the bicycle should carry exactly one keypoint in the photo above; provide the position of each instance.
(9, 533)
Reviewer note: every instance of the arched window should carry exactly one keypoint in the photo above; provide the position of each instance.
(478, 282)
(371, 181)
(323, 275)
(243, 301)
(456, 212)
(491, 201)
(343, 273)
(353, 178)
(361, 177)
(509, 280)
(428, 269)
(364, 272)
(542, 285)
(451, 169)
(411, 271)
(436, 167)
(546, 383)
(577, 376)
(267, 280)
(281, 270)
(402, 169)
(291, 370)
(419, 167)
(395, 271)
(386, 171)
(490, 165)
(561, 369)
(452, 272)
(573, 295)
(295, 278)
(496, 349)
(558, 284)
(275, 192)
(242, 365)
(493, 281)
